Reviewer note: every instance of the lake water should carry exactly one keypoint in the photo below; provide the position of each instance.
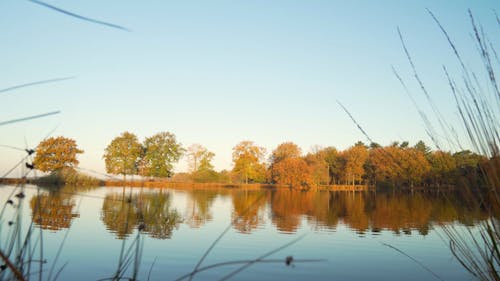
(341, 235)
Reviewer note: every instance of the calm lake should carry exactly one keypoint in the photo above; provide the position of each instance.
(345, 234)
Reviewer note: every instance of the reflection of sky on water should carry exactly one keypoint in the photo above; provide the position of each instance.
(92, 251)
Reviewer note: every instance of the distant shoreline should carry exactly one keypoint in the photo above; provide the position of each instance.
(242, 186)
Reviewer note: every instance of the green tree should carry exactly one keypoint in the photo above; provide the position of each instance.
(247, 159)
(122, 155)
(159, 154)
(422, 147)
(54, 154)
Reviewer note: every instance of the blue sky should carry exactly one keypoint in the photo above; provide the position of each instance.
(219, 72)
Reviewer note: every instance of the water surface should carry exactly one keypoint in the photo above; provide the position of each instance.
(345, 231)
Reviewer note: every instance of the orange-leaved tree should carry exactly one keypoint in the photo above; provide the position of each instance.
(293, 172)
(56, 153)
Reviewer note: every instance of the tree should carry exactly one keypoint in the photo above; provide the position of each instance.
(56, 153)
(443, 167)
(383, 166)
(247, 159)
(334, 162)
(160, 152)
(294, 172)
(421, 146)
(199, 158)
(319, 168)
(355, 159)
(284, 151)
(414, 165)
(397, 165)
(122, 155)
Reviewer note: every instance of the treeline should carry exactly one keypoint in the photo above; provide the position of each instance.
(397, 165)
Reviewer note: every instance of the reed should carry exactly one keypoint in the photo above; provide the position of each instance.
(476, 97)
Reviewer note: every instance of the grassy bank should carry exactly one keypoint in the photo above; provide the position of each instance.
(67, 176)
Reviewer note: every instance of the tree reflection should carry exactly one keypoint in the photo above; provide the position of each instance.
(150, 211)
(362, 212)
(198, 209)
(248, 209)
(53, 211)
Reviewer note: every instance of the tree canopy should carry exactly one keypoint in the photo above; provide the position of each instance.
(199, 158)
(284, 151)
(122, 155)
(159, 153)
(247, 159)
(56, 153)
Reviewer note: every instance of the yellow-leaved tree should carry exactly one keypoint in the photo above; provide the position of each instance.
(54, 154)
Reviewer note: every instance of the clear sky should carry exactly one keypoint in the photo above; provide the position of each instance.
(219, 72)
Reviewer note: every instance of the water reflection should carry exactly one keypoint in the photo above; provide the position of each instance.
(53, 211)
(151, 211)
(248, 209)
(198, 209)
(287, 210)
(363, 212)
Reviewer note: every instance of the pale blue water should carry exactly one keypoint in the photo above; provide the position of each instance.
(345, 231)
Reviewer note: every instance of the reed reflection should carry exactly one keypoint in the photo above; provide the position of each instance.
(149, 211)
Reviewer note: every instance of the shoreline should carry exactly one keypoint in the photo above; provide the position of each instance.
(242, 186)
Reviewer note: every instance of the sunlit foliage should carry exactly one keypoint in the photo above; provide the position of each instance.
(247, 160)
(355, 158)
(122, 155)
(56, 153)
(293, 172)
(159, 153)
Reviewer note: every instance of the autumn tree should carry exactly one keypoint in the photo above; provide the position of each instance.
(355, 159)
(56, 153)
(397, 165)
(247, 159)
(335, 163)
(443, 167)
(200, 164)
(199, 158)
(293, 172)
(318, 167)
(122, 155)
(284, 151)
(159, 153)
(382, 166)
(414, 165)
